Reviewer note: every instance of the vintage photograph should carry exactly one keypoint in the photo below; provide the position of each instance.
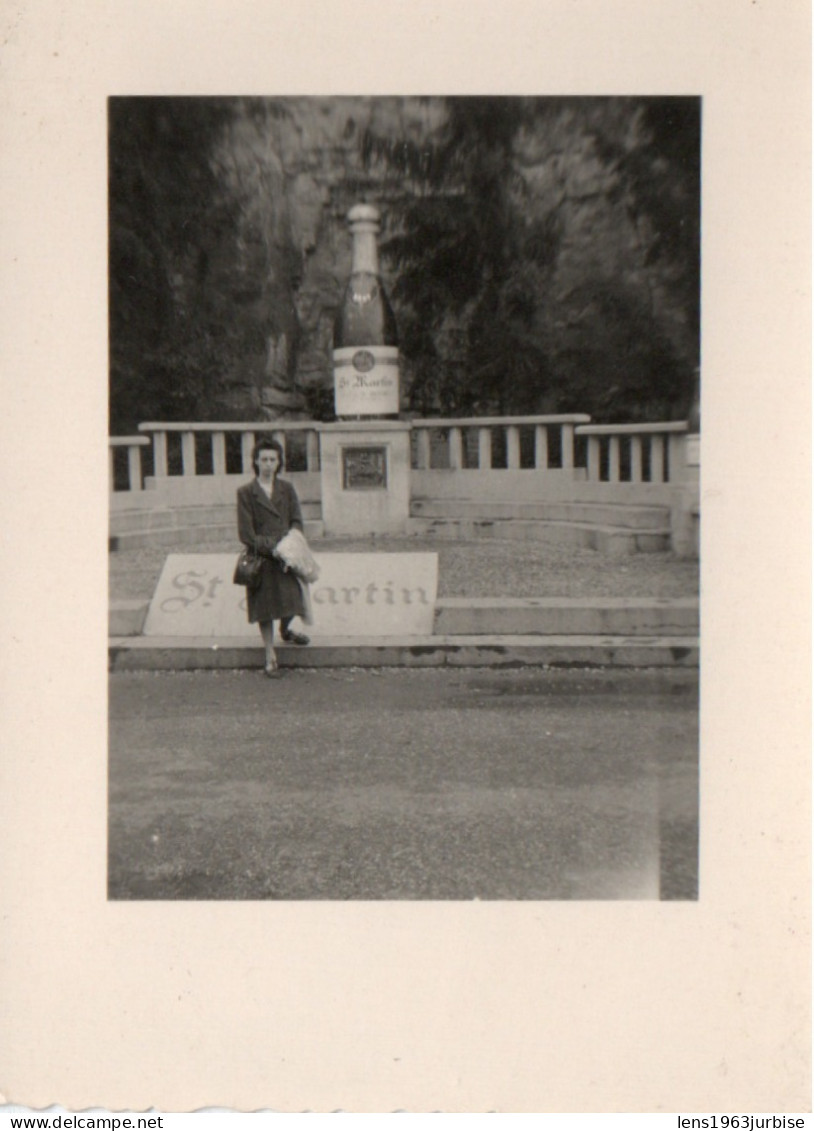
(361, 753)
(404, 497)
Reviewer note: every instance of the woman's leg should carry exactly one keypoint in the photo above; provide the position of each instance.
(292, 637)
(267, 632)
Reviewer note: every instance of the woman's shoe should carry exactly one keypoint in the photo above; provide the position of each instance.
(294, 637)
(271, 671)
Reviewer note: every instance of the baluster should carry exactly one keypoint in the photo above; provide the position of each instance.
(423, 448)
(246, 445)
(456, 453)
(512, 447)
(656, 459)
(567, 446)
(613, 460)
(484, 448)
(218, 453)
(111, 466)
(160, 454)
(134, 467)
(541, 447)
(593, 459)
(188, 462)
(311, 450)
(676, 459)
(635, 459)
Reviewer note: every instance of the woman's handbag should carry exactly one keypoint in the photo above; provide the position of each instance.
(248, 569)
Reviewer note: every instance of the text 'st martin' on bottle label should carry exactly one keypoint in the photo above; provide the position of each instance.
(366, 380)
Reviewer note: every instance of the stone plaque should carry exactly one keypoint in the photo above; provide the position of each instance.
(364, 469)
(356, 595)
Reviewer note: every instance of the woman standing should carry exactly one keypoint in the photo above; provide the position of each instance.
(267, 508)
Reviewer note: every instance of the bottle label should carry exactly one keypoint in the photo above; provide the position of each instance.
(366, 380)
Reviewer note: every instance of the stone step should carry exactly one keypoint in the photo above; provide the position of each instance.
(193, 653)
(179, 537)
(636, 516)
(565, 616)
(532, 616)
(611, 540)
(126, 617)
(628, 530)
(592, 514)
(164, 518)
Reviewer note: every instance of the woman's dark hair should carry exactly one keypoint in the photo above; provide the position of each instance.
(262, 445)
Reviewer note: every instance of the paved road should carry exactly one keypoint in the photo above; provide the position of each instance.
(403, 784)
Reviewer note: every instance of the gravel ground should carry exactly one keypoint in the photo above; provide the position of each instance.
(469, 568)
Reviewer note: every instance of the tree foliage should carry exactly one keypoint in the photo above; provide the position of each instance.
(468, 262)
(171, 336)
(491, 320)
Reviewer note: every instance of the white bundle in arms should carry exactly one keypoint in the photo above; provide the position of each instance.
(295, 554)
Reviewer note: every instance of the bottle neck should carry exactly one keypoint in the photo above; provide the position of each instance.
(365, 254)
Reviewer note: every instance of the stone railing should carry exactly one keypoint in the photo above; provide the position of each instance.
(634, 453)
(226, 448)
(570, 444)
(546, 441)
(486, 443)
(129, 475)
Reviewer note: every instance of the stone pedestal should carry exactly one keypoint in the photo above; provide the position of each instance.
(365, 470)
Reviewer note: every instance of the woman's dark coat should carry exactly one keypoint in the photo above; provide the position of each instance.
(261, 523)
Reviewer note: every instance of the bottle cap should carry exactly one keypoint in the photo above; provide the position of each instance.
(364, 217)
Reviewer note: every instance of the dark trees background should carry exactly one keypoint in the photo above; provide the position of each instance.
(577, 294)
(170, 339)
(471, 263)
(543, 254)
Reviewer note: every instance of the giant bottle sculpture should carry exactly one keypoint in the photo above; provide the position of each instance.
(365, 355)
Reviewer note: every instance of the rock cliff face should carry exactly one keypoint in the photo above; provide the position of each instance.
(294, 166)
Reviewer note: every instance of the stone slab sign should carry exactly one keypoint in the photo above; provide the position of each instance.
(356, 595)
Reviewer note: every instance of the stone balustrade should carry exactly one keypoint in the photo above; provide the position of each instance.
(129, 474)
(567, 444)
(223, 456)
(439, 470)
(473, 441)
(634, 453)
(485, 443)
